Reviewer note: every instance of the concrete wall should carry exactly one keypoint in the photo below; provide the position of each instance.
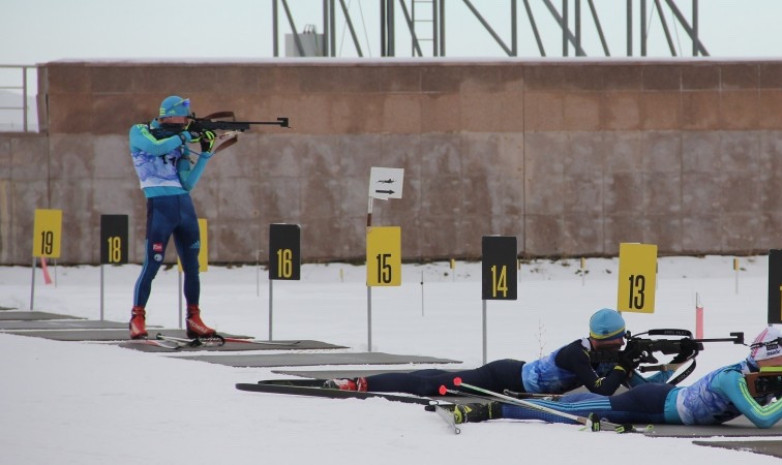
(573, 157)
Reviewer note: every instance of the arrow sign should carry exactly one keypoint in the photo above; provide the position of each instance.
(386, 183)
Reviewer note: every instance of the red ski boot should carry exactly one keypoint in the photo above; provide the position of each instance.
(347, 384)
(195, 327)
(137, 325)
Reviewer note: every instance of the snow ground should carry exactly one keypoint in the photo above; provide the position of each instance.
(96, 403)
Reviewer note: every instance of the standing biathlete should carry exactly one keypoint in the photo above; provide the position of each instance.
(163, 163)
(563, 370)
(719, 396)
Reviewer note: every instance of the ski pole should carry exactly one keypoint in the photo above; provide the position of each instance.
(577, 418)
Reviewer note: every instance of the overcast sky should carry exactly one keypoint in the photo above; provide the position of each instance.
(37, 31)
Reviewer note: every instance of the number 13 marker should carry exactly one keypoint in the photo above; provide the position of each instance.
(637, 277)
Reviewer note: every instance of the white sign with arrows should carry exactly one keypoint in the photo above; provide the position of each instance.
(386, 183)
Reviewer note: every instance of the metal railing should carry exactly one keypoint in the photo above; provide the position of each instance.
(17, 98)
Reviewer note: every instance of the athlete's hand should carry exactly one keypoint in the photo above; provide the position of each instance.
(207, 141)
(629, 361)
(688, 350)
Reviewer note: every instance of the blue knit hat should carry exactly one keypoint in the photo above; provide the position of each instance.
(174, 106)
(606, 324)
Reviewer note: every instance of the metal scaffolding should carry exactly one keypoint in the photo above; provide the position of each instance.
(425, 23)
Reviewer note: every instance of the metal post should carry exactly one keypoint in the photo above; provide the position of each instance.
(369, 318)
(332, 30)
(695, 28)
(391, 27)
(24, 96)
(629, 28)
(32, 285)
(257, 273)
(369, 288)
(422, 292)
(442, 28)
(324, 50)
(383, 29)
(435, 39)
(578, 28)
(101, 292)
(514, 29)
(271, 306)
(484, 331)
(644, 32)
(565, 25)
(275, 29)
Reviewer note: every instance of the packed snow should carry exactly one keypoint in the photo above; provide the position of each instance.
(97, 403)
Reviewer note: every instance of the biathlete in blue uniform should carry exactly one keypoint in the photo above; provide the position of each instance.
(563, 370)
(163, 163)
(720, 396)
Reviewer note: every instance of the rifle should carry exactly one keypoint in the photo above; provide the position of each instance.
(226, 121)
(639, 350)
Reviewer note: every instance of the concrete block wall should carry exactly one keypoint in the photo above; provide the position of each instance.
(572, 157)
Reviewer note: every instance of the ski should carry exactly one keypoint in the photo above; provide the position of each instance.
(317, 391)
(157, 343)
(307, 382)
(260, 342)
(215, 340)
(591, 423)
(446, 414)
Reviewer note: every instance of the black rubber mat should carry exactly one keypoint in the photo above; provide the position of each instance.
(99, 335)
(12, 325)
(739, 427)
(234, 346)
(772, 448)
(33, 315)
(289, 360)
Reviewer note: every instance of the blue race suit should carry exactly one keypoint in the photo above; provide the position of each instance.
(564, 369)
(719, 396)
(166, 176)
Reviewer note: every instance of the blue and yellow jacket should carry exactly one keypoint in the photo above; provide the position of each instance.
(720, 396)
(163, 164)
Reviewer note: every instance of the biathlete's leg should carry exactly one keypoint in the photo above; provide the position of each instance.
(642, 404)
(187, 239)
(159, 228)
(496, 376)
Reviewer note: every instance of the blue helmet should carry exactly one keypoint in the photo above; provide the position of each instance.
(174, 106)
(606, 324)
